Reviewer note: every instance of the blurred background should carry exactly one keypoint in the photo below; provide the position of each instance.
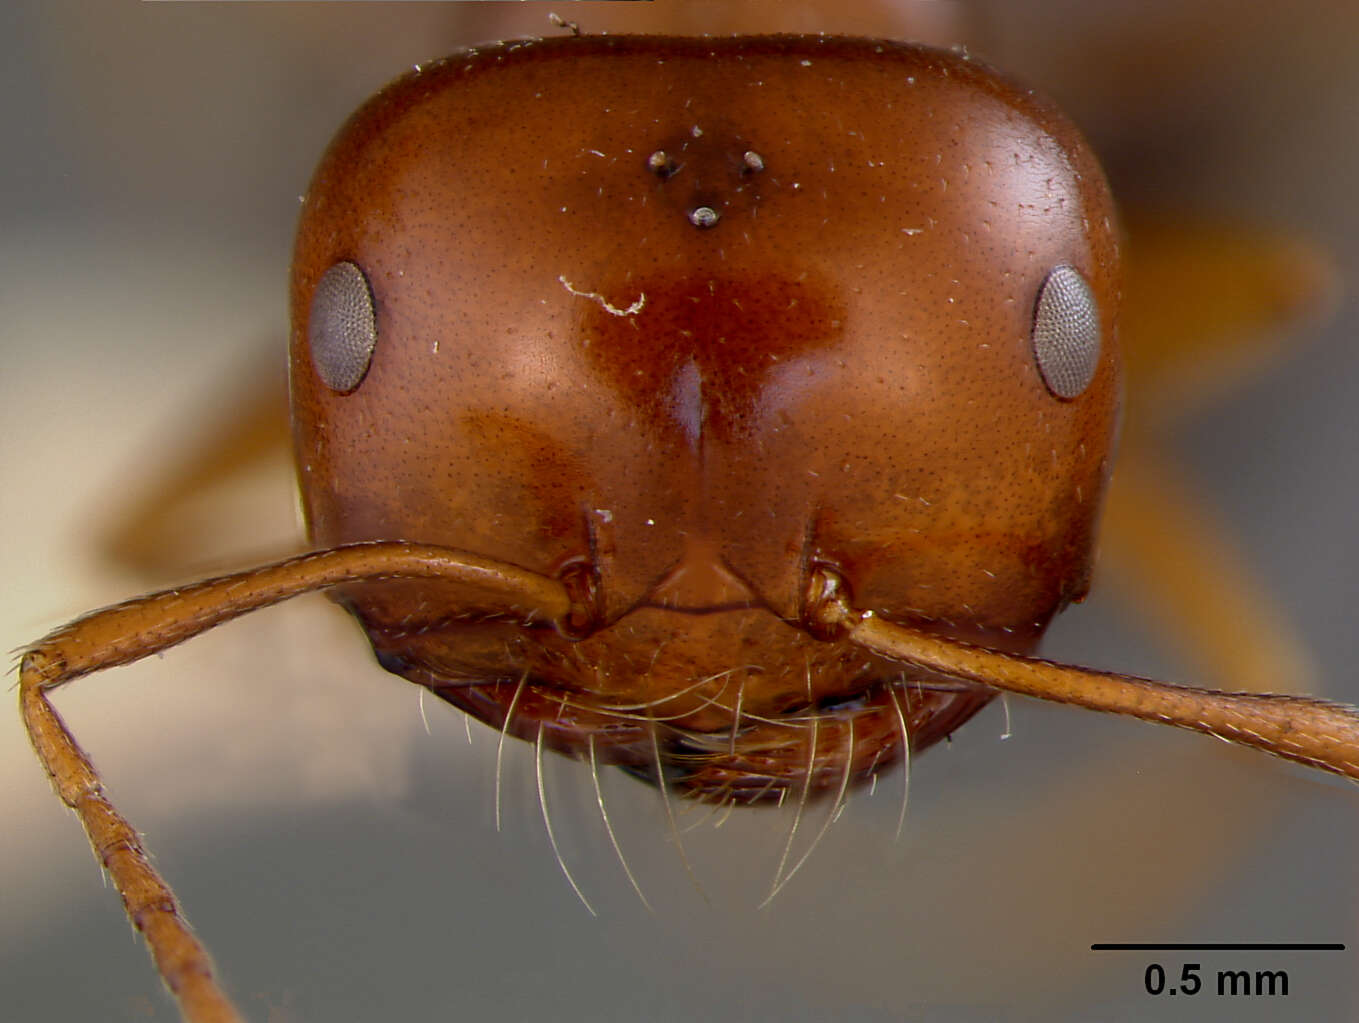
(333, 840)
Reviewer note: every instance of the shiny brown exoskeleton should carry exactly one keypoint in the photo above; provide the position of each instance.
(736, 411)
(707, 334)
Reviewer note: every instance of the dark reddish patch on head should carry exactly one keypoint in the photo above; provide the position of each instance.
(698, 356)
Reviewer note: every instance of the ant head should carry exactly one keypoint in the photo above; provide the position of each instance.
(624, 308)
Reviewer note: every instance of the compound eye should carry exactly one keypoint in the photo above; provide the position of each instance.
(342, 327)
(1066, 340)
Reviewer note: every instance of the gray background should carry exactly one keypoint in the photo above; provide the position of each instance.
(342, 862)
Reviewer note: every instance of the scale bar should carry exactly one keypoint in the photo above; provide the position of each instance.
(1240, 946)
